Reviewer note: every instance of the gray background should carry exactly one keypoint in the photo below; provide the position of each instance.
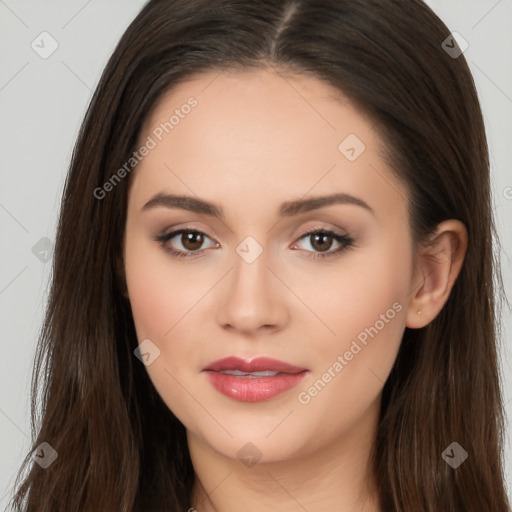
(42, 102)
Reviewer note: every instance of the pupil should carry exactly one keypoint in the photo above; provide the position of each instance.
(192, 241)
(321, 246)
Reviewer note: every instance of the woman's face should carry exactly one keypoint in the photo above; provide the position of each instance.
(255, 153)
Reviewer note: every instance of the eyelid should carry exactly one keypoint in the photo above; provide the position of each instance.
(321, 229)
(169, 235)
(344, 239)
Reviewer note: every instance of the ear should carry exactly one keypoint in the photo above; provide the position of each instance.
(121, 278)
(438, 264)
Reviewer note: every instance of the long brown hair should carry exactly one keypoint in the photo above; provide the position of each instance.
(119, 446)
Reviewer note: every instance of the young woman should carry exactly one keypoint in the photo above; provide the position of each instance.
(273, 283)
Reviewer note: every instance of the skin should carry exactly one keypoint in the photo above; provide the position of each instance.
(255, 140)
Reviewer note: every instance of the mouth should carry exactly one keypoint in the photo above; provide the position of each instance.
(253, 380)
(252, 366)
(252, 375)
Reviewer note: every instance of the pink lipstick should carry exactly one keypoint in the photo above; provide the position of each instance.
(253, 380)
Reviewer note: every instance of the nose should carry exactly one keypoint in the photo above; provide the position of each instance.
(251, 299)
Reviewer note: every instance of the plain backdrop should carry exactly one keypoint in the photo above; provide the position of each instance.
(42, 103)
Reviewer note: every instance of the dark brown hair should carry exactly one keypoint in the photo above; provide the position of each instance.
(119, 446)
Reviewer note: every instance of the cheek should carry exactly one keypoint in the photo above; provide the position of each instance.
(152, 300)
(351, 295)
(170, 303)
(160, 294)
(161, 300)
(364, 305)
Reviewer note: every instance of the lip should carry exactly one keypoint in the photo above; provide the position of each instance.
(253, 389)
(257, 364)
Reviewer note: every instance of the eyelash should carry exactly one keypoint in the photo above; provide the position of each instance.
(346, 241)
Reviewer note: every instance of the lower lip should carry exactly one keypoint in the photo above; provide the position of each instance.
(253, 389)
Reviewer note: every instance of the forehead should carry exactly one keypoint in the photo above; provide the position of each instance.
(267, 133)
(260, 102)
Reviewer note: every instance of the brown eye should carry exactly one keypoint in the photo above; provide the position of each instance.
(185, 243)
(192, 240)
(321, 241)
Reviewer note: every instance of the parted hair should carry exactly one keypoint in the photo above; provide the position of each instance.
(120, 448)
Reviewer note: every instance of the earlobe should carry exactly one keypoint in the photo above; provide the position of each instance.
(438, 264)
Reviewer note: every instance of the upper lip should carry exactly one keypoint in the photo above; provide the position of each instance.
(257, 364)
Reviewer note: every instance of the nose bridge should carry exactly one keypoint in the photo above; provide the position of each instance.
(251, 297)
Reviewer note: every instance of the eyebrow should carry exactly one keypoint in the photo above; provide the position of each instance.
(287, 209)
